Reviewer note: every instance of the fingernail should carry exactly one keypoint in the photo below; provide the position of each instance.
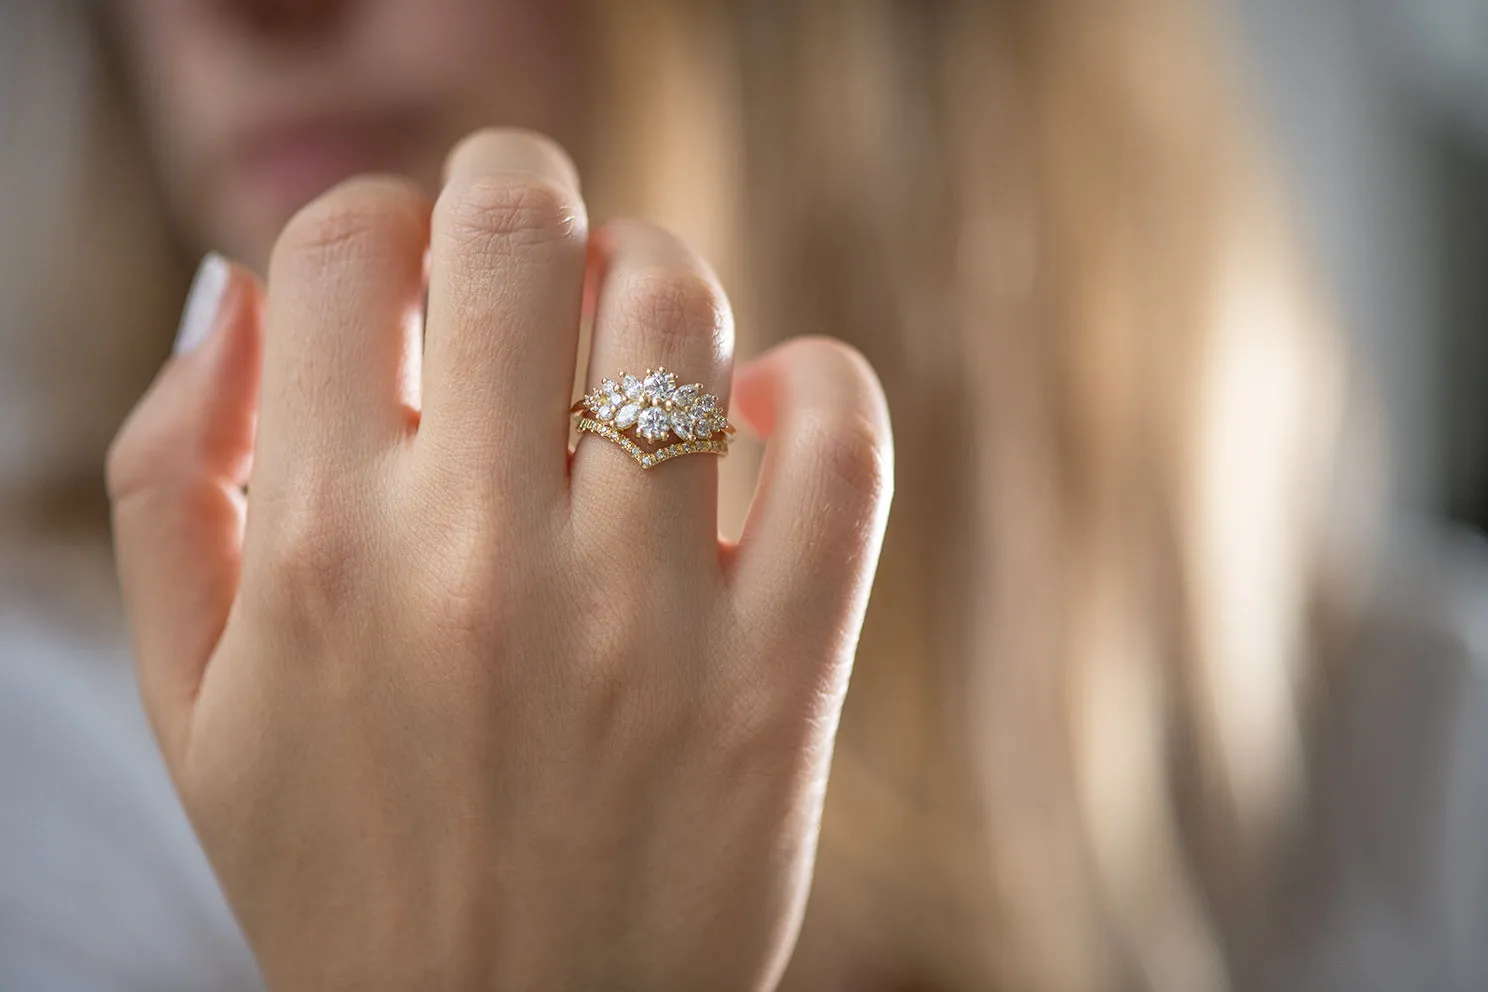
(202, 303)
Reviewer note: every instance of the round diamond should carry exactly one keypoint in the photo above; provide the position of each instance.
(686, 396)
(627, 415)
(707, 403)
(653, 423)
(702, 425)
(660, 385)
(605, 411)
(611, 393)
(631, 386)
(682, 424)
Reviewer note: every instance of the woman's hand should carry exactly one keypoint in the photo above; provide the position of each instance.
(447, 707)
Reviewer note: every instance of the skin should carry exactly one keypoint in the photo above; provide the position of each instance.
(448, 706)
(253, 107)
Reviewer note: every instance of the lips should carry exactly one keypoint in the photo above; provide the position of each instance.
(282, 166)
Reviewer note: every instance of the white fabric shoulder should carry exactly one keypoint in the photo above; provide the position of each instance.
(102, 883)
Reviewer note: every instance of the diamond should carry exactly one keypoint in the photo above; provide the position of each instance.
(682, 424)
(653, 423)
(627, 415)
(610, 393)
(605, 412)
(702, 425)
(685, 397)
(631, 386)
(707, 403)
(660, 385)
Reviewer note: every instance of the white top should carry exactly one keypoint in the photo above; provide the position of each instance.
(102, 883)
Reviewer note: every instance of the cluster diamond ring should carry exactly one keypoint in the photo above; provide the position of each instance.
(653, 418)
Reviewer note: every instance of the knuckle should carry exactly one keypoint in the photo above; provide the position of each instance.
(675, 303)
(147, 450)
(853, 454)
(124, 466)
(310, 565)
(463, 596)
(360, 218)
(496, 215)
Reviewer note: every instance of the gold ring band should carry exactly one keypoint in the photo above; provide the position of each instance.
(653, 419)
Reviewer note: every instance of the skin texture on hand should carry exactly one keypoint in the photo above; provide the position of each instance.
(448, 707)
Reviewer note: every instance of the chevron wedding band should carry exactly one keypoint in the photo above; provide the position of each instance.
(653, 418)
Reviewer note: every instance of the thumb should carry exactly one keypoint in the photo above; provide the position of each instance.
(176, 473)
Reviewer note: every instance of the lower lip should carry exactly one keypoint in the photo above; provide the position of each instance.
(283, 175)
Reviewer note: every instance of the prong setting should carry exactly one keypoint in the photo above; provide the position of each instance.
(653, 408)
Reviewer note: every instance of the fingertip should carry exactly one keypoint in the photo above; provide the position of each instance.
(852, 376)
(200, 408)
(810, 372)
(220, 290)
(829, 465)
(516, 149)
(753, 407)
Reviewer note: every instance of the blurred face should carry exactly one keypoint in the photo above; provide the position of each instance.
(253, 107)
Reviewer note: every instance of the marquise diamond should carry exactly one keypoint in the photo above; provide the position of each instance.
(627, 415)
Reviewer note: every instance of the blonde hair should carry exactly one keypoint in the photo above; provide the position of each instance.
(1074, 742)
(1075, 739)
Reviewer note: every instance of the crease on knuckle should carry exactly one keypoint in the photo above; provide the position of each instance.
(462, 594)
(312, 564)
(852, 456)
(125, 469)
(674, 304)
(497, 217)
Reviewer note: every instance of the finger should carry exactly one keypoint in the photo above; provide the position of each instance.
(175, 477)
(811, 540)
(342, 342)
(505, 286)
(657, 305)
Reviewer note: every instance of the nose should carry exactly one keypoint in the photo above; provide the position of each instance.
(286, 18)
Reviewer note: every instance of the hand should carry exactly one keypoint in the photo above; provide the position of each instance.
(450, 708)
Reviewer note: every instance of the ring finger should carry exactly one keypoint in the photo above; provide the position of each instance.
(658, 305)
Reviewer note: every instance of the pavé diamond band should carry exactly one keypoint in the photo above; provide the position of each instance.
(653, 418)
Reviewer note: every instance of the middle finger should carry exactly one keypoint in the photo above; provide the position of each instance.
(505, 288)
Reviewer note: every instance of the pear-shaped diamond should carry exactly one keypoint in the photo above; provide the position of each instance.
(685, 397)
(682, 424)
(653, 423)
(627, 415)
(631, 386)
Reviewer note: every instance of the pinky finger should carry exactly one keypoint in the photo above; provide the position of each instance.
(810, 545)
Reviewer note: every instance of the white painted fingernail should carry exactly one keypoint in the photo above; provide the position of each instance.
(202, 303)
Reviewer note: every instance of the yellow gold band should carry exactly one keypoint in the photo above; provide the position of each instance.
(654, 409)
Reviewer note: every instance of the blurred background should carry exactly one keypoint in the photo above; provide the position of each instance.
(1375, 112)
(1379, 111)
